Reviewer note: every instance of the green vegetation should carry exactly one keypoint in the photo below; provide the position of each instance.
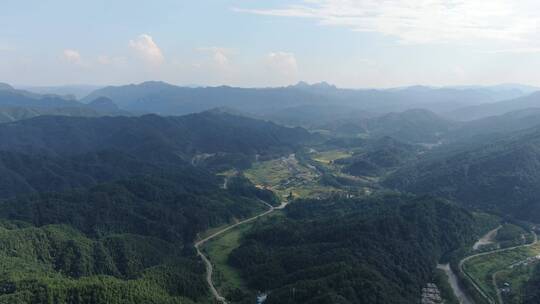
(441, 280)
(124, 242)
(227, 278)
(531, 292)
(328, 157)
(339, 250)
(517, 278)
(39, 155)
(57, 264)
(287, 175)
(379, 157)
(106, 210)
(512, 266)
(500, 175)
(512, 235)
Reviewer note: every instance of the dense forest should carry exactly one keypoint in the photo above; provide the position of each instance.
(61, 153)
(499, 174)
(145, 136)
(379, 156)
(375, 250)
(128, 241)
(106, 209)
(532, 292)
(90, 215)
(270, 152)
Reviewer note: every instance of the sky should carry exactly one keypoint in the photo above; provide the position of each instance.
(248, 43)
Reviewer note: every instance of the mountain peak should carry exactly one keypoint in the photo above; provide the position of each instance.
(5, 87)
(155, 85)
(319, 85)
(103, 104)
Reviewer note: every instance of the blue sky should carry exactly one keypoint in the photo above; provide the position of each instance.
(352, 43)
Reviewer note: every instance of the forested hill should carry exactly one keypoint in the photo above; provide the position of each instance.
(500, 175)
(62, 153)
(128, 241)
(18, 104)
(12, 97)
(377, 250)
(207, 132)
(106, 210)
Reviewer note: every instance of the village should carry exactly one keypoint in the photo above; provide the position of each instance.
(431, 295)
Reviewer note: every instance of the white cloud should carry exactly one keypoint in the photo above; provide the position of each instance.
(72, 56)
(423, 21)
(525, 50)
(220, 56)
(147, 49)
(282, 63)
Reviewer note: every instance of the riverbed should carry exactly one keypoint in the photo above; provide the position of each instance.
(453, 280)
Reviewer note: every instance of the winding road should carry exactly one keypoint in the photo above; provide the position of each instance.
(206, 260)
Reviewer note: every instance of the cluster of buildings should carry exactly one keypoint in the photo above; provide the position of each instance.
(506, 288)
(431, 294)
(261, 298)
(526, 262)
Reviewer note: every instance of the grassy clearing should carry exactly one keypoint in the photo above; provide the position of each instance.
(327, 157)
(517, 278)
(482, 269)
(227, 278)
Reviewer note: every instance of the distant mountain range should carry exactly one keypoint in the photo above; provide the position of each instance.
(76, 91)
(19, 104)
(497, 108)
(163, 98)
(417, 114)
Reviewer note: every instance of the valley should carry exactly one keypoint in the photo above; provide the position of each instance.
(363, 210)
(270, 152)
(500, 274)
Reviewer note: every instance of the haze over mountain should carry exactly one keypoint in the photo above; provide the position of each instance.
(330, 152)
(19, 104)
(497, 108)
(77, 91)
(496, 173)
(159, 97)
(131, 192)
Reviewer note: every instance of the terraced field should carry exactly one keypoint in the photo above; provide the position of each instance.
(286, 175)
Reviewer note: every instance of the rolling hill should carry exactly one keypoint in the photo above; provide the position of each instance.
(414, 126)
(369, 250)
(497, 108)
(53, 153)
(106, 210)
(18, 104)
(499, 174)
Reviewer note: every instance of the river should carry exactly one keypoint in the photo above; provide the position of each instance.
(453, 280)
(488, 238)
